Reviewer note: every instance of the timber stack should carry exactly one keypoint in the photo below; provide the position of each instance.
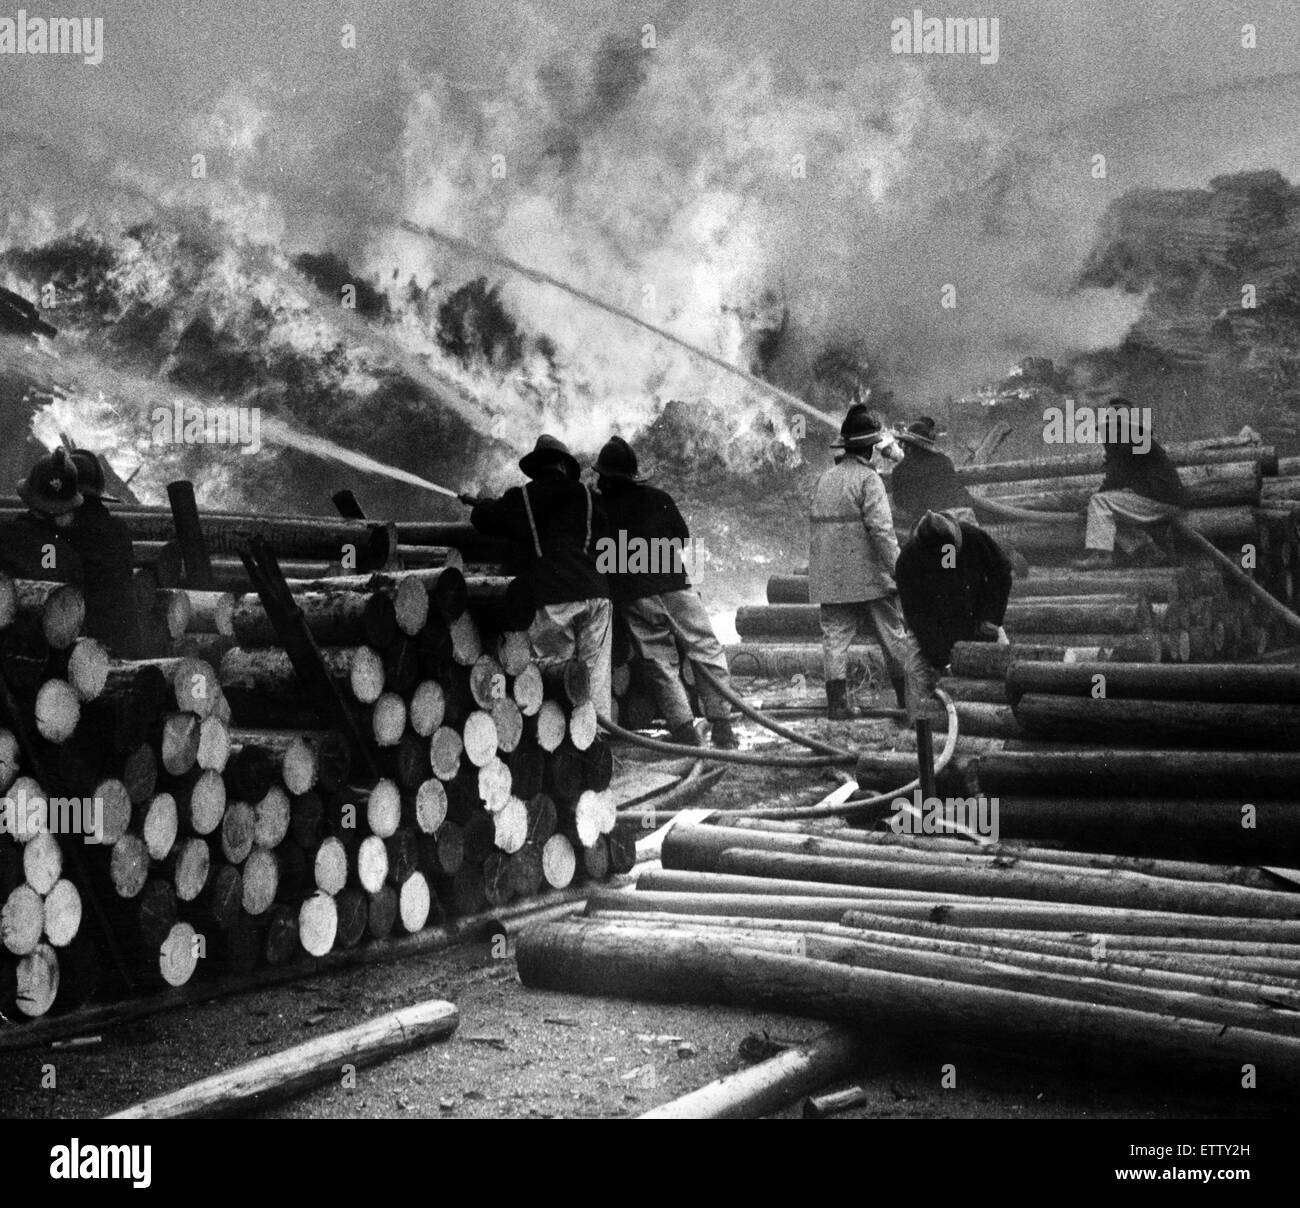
(1026, 947)
(203, 813)
(1197, 761)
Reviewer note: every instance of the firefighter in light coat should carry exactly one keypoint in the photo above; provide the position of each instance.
(851, 567)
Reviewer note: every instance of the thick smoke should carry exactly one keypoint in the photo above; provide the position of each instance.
(710, 195)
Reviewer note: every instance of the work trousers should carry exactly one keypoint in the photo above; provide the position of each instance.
(648, 621)
(581, 629)
(1113, 516)
(841, 623)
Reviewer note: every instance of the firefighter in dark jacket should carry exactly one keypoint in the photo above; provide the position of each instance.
(926, 480)
(1138, 492)
(104, 543)
(35, 545)
(954, 581)
(643, 558)
(558, 520)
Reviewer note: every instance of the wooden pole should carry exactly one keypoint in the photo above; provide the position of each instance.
(250, 1087)
(588, 957)
(189, 531)
(768, 1086)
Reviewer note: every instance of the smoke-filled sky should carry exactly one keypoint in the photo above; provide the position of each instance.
(660, 178)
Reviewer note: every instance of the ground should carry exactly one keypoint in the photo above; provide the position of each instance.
(526, 1053)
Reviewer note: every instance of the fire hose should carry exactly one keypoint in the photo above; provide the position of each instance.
(846, 810)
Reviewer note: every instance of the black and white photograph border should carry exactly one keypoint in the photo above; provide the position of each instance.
(677, 560)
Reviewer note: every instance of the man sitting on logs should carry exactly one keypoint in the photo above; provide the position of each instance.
(954, 581)
(851, 564)
(651, 591)
(35, 544)
(558, 521)
(926, 480)
(1138, 492)
(104, 543)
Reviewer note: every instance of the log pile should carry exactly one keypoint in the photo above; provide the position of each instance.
(241, 823)
(1196, 761)
(1024, 947)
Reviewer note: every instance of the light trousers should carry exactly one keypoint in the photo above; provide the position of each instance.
(582, 630)
(648, 620)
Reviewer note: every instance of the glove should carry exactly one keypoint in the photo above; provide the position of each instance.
(470, 501)
(1003, 640)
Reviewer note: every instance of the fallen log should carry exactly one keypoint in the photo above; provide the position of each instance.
(588, 957)
(258, 1083)
(770, 1085)
(1125, 890)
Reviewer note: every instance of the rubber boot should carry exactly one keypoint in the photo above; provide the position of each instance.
(685, 735)
(837, 701)
(724, 737)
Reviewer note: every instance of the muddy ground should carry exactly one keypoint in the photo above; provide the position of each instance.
(527, 1053)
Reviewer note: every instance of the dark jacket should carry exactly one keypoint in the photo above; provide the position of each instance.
(104, 543)
(947, 604)
(646, 532)
(1150, 474)
(23, 541)
(925, 481)
(569, 521)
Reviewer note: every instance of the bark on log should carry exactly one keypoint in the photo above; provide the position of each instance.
(588, 957)
(251, 1087)
(1197, 723)
(770, 1085)
(1092, 461)
(1197, 682)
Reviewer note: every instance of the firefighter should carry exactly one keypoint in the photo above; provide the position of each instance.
(1139, 491)
(654, 596)
(925, 480)
(104, 543)
(851, 566)
(35, 545)
(558, 520)
(954, 581)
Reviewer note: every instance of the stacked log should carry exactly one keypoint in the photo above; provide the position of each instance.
(1024, 948)
(241, 826)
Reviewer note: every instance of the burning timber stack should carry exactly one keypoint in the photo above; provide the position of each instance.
(204, 813)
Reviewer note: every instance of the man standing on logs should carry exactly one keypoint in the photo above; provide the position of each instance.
(655, 598)
(1139, 490)
(35, 545)
(558, 521)
(926, 480)
(104, 543)
(851, 565)
(954, 581)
